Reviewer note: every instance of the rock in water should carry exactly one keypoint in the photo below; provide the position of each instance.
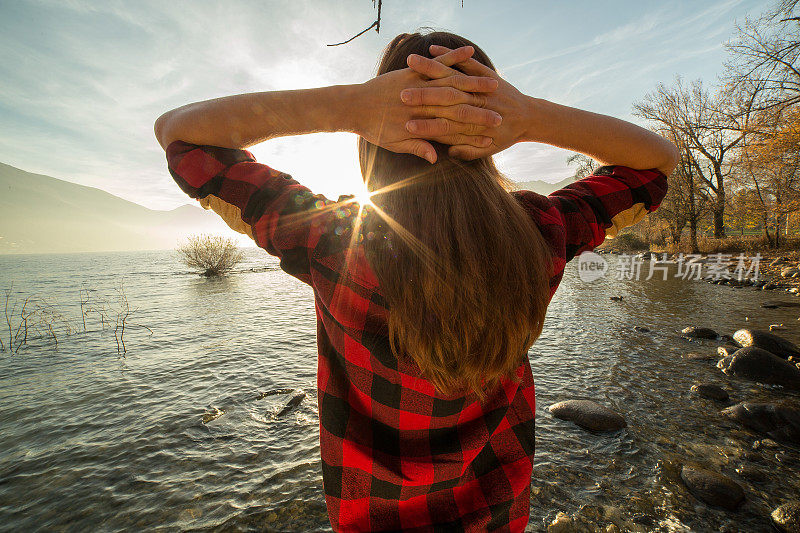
(779, 422)
(294, 402)
(752, 473)
(767, 341)
(711, 391)
(774, 304)
(712, 488)
(588, 415)
(728, 349)
(699, 333)
(787, 517)
(212, 414)
(760, 365)
(262, 395)
(561, 524)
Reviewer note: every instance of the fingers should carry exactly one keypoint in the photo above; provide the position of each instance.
(467, 152)
(470, 66)
(460, 113)
(441, 96)
(451, 57)
(442, 127)
(470, 84)
(478, 141)
(417, 147)
(429, 67)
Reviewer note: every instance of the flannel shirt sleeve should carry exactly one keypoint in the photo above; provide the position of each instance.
(282, 216)
(600, 205)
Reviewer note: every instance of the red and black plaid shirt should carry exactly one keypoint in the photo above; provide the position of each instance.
(396, 454)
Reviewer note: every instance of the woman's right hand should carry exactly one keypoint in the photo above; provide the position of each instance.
(506, 100)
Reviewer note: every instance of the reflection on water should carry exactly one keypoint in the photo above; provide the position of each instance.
(93, 441)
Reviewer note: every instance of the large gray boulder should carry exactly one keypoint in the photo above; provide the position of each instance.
(712, 488)
(588, 415)
(762, 366)
(779, 422)
(767, 341)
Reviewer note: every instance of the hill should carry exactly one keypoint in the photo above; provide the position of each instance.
(543, 187)
(41, 214)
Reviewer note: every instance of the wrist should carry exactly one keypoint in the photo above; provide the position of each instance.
(349, 108)
(536, 119)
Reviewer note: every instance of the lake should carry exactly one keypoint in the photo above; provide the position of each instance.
(177, 434)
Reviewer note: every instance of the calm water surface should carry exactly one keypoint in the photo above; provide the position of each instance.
(94, 441)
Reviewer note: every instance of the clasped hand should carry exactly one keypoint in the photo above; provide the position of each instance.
(429, 101)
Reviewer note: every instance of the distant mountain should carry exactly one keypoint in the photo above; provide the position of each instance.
(40, 214)
(542, 187)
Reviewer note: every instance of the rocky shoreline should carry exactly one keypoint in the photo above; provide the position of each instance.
(750, 355)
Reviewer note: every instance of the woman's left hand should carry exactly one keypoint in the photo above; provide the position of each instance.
(381, 114)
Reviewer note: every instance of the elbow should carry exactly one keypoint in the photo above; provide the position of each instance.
(672, 159)
(162, 129)
(159, 128)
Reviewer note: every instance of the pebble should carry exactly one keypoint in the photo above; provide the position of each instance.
(699, 332)
(561, 524)
(710, 391)
(787, 517)
(751, 473)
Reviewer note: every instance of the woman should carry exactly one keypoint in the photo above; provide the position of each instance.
(430, 292)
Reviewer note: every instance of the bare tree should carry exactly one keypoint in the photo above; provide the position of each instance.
(764, 57)
(707, 127)
(586, 165)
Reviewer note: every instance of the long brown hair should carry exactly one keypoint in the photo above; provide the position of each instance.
(463, 268)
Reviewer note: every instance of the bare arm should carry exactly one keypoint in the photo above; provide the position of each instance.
(609, 140)
(372, 109)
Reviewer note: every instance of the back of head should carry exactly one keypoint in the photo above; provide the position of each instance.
(464, 270)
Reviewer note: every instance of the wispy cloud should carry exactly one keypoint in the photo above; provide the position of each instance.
(82, 82)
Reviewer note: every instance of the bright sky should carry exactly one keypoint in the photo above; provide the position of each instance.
(82, 82)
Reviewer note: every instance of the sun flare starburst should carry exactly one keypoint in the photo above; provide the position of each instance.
(363, 196)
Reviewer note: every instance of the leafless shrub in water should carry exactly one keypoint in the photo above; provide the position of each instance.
(212, 255)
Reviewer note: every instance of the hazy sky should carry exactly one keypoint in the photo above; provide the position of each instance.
(82, 82)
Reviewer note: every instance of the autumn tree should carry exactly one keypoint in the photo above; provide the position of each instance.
(708, 129)
(768, 165)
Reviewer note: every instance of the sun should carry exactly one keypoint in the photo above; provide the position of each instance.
(363, 195)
